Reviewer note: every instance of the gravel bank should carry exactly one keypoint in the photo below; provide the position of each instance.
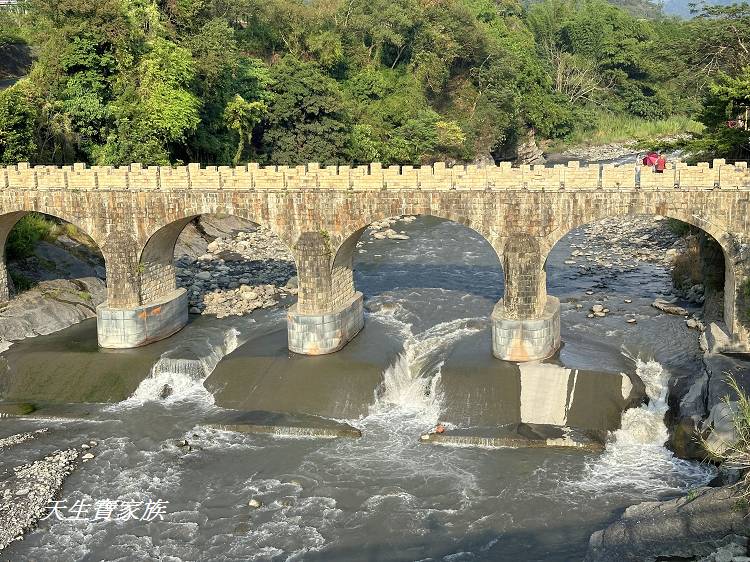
(29, 490)
(238, 273)
(21, 438)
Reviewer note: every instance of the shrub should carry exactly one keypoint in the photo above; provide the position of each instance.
(26, 234)
(21, 283)
(26, 408)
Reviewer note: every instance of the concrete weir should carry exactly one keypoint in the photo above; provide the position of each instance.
(527, 339)
(119, 328)
(318, 334)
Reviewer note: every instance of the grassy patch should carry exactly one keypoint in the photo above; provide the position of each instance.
(26, 408)
(608, 128)
(84, 296)
(17, 408)
(26, 234)
(50, 293)
(72, 232)
(48, 265)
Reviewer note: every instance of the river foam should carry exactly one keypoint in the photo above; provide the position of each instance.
(175, 377)
(411, 384)
(635, 460)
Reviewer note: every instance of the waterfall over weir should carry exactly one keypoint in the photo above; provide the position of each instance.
(411, 384)
(636, 459)
(175, 377)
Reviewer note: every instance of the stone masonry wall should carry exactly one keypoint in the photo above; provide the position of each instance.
(134, 214)
(157, 279)
(313, 256)
(526, 288)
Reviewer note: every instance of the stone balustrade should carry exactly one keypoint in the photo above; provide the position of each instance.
(437, 177)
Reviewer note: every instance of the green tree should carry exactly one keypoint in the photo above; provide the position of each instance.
(721, 38)
(306, 121)
(156, 108)
(242, 116)
(401, 81)
(18, 115)
(727, 100)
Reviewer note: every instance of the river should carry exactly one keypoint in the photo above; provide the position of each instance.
(423, 357)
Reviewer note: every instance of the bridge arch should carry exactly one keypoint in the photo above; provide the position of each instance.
(733, 293)
(716, 230)
(156, 257)
(9, 220)
(342, 260)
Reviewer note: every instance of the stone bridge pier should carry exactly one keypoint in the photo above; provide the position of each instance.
(143, 303)
(329, 312)
(526, 321)
(737, 292)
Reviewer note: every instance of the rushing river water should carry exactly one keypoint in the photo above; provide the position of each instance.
(423, 357)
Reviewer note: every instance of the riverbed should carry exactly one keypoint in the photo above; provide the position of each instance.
(423, 358)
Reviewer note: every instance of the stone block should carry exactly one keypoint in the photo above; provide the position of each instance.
(119, 328)
(322, 333)
(526, 340)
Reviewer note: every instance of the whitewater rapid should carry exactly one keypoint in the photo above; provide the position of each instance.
(636, 459)
(386, 495)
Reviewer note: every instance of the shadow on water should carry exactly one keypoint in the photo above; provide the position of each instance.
(555, 541)
(478, 280)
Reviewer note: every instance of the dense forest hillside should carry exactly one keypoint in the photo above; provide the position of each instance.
(399, 81)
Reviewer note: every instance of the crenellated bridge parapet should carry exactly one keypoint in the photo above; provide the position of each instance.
(437, 177)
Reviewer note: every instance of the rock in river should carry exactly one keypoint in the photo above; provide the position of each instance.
(669, 308)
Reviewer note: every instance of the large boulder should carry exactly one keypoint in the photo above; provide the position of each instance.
(51, 306)
(669, 308)
(686, 528)
(721, 422)
(527, 151)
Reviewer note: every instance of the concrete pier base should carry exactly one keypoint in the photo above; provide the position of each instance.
(318, 334)
(526, 340)
(120, 328)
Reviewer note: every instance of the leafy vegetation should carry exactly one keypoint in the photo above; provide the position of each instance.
(24, 236)
(20, 282)
(604, 128)
(349, 81)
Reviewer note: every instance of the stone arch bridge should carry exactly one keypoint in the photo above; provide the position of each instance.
(136, 213)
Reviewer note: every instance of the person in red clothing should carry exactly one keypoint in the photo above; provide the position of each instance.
(661, 164)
